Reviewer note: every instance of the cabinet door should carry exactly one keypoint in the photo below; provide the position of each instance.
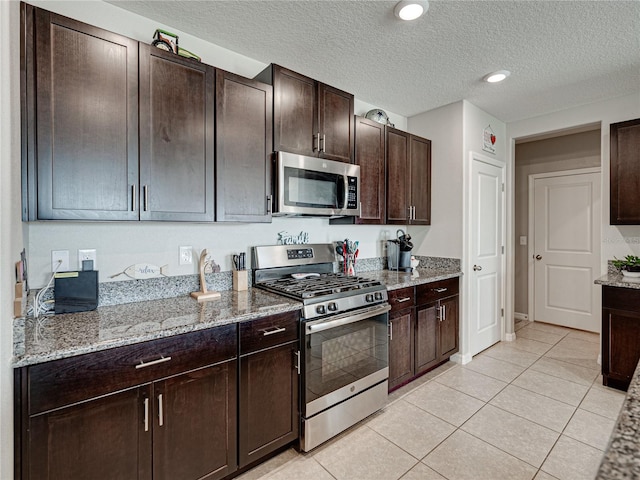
(426, 343)
(176, 137)
(194, 426)
(620, 347)
(397, 176)
(101, 439)
(335, 123)
(243, 148)
(401, 326)
(86, 87)
(420, 189)
(369, 154)
(625, 173)
(295, 112)
(448, 328)
(268, 417)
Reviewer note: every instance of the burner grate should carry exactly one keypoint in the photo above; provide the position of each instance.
(326, 284)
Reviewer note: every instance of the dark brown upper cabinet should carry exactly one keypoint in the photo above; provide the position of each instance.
(177, 157)
(625, 173)
(80, 120)
(309, 117)
(408, 178)
(370, 155)
(244, 136)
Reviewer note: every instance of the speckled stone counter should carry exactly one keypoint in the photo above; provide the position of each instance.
(622, 458)
(59, 336)
(394, 280)
(616, 279)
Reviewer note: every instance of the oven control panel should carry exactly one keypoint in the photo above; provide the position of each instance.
(298, 253)
(343, 304)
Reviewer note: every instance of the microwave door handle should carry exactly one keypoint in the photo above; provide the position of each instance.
(342, 192)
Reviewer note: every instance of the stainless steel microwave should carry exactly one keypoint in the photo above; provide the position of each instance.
(315, 187)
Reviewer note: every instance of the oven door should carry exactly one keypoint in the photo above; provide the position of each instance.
(343, 356)
(315, 186)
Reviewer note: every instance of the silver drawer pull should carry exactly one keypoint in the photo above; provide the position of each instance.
(402, 300)
(153, 362)
(439, 290)
(275, 330)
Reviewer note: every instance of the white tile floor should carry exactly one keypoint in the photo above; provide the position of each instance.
(531, 408)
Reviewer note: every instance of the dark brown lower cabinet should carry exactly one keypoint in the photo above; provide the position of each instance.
(268, 416)
(194, 434)
(424, 336)
(620, 335)
(401, 327)
(101, 439)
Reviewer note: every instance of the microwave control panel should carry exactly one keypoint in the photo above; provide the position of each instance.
(352, 192)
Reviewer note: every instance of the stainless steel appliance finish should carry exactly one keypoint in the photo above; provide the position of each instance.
(344, 336)
(309, 186)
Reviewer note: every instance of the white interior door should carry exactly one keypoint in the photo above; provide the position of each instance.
(566, 250)
(486, 265)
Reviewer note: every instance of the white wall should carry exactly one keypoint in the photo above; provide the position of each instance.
(10, 226)
(121, 244)
(444, 127)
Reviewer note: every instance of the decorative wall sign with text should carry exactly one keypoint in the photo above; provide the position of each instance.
(285, 238)
(488, 140)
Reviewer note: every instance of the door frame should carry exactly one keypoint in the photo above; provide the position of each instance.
(531, 228)
(466, 285)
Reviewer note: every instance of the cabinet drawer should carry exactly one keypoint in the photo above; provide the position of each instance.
(69, 380)
(433, 291)
(401, 298)
(621, 298)
(267, 332)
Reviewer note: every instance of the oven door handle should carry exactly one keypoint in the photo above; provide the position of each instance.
(346, 319)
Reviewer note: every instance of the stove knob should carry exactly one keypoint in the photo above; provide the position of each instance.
(369, 297)
(378, 296)
(320, 309)
(333, 307)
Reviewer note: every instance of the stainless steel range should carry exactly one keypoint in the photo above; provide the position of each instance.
(344, 336)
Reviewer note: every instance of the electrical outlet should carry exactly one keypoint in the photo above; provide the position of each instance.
(186, 255)
(59, 260)
(87, 254)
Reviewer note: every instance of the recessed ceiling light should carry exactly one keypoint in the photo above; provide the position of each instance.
(410, 10)
(498, 76)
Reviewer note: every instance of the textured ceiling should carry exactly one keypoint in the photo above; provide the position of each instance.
(560, 53)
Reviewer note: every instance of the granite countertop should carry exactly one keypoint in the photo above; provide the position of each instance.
(622, 458)
(53, 337)
(616, 279)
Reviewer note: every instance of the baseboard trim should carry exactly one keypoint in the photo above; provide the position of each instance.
(520, 316)
(461, 359)
(509, 337)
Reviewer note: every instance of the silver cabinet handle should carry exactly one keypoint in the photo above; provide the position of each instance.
(318, 140)
(410, 211)
(146, 414)
(297, 354)
(477, 268)
(439, 290)
(324, 142)
(402, 300)
(443, 315)
(390, 331)
(133, 198)
(145, 190)
(275, 330)
(160, 411)
(153, 362)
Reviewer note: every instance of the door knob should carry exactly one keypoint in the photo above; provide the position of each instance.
(538, 257)
(477, 268)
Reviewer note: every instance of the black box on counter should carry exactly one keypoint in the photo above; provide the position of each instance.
(76, 291)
